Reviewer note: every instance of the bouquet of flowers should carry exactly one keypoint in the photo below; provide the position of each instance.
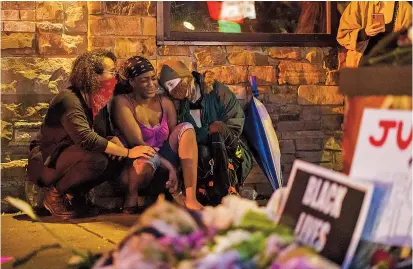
(236, 234)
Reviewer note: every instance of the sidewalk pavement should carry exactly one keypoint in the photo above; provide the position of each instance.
(20, 236)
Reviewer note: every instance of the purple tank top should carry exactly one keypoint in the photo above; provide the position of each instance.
(153, 136)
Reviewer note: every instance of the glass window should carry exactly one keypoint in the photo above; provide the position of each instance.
(282, 23)
(278, 17)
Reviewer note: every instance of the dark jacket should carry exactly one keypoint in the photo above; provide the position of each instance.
(220, 104)
(69, 121)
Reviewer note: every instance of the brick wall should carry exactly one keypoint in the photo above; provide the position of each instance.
(40, 40)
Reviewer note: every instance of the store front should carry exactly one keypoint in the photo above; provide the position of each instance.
(325, 95)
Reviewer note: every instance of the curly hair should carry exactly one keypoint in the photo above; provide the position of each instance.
(87, 67)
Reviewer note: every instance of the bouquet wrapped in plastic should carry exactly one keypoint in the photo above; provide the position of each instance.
(236, 234)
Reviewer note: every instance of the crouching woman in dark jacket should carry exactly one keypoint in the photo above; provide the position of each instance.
(75, 150)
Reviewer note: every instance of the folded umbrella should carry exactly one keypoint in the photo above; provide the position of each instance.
(262, 138)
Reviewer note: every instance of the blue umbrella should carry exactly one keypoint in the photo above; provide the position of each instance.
(262, 138)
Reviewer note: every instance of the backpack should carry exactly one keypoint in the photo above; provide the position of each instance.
(220, 170)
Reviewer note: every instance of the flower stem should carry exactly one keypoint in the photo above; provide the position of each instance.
(393, 53)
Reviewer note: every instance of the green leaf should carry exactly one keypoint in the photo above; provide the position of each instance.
(382, 53)
(254, 245)
(256, 221)
(22, 206)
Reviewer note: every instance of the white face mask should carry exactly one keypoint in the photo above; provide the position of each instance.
(171, 84)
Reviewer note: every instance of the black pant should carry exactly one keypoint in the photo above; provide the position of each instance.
(79, 170)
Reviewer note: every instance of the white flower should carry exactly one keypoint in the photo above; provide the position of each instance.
(275, 203)
(232, 238)
(164, 228)
(229, 212)
(237, 207)
(217, 217)
(219, 261)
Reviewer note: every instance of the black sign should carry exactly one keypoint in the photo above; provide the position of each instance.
(326, 210)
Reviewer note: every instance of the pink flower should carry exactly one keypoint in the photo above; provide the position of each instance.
(5, 259)
(275, 266)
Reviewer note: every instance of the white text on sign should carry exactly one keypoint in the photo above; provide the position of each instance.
(325, 197)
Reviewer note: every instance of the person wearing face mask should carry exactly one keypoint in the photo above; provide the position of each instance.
(75, 149)
(218, 119)
(143, 117)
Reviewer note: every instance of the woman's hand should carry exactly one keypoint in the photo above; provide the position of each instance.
(374, 29)
(141, 151)
(172, 183)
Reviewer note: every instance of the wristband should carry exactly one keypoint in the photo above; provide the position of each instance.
(127, 155)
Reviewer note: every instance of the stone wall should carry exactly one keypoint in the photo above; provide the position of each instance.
(40, 40)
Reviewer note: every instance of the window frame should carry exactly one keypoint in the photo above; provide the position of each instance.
(164, 35)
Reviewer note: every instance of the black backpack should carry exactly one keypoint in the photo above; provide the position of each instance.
(221, 170)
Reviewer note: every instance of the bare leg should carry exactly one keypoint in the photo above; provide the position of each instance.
(136, 176)
(188, 155)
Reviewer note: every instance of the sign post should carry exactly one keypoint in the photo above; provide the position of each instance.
(326, 210)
